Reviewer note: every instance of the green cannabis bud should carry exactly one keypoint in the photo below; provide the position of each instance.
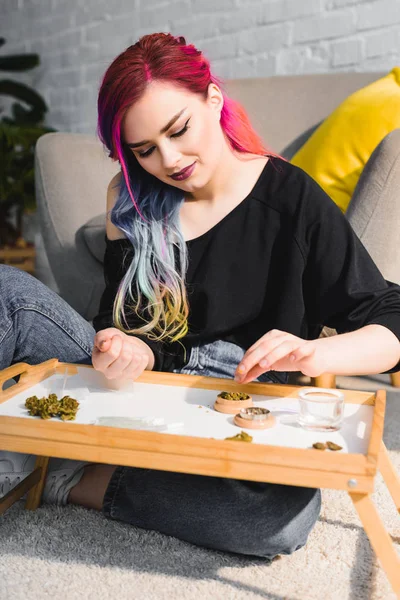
(241, 437)
(319, 446)
(333, 446)
(33, 405)
(66, 408)
(234, 395)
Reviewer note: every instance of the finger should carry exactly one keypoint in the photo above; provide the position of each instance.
(253, 374)
(124, 358)
(102, 342)
(291, 361)
(261, 352)
(102, 339)
(269, 362)
(282, 364)
(130, 361)
(105, 359)
(104, 345)
(136, 367)
(273, 333)
(302, 352)
(284, 349)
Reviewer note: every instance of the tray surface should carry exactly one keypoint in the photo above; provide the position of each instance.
(187, 411)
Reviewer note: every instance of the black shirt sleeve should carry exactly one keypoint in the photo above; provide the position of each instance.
(117, 258)
(343, 288)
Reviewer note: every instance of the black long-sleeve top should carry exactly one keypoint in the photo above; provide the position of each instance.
(285, 258)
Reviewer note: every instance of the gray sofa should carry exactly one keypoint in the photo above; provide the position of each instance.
(73, 171)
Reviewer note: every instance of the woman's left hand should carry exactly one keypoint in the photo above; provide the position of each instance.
(280, 351)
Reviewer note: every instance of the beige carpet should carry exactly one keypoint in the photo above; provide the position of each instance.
(74, 553)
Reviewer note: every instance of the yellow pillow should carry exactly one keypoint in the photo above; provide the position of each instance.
(336, 153)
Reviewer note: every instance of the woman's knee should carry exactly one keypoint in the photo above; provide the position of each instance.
(37, 324)
(293, 534)
(9, 273)
(18, 284)
(257, 519)
(280, 526)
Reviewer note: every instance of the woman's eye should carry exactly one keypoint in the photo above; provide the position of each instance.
(147, 153)
(182, 131)
(177, 134)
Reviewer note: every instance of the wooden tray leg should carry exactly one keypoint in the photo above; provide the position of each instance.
(35, 493)
(380, 540)
(33, 485)
(326, 380)
(390, 475)
(395, 379)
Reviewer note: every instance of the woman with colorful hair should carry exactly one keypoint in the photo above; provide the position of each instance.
(221, 259)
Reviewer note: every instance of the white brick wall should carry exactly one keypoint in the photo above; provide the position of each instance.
(77, 40)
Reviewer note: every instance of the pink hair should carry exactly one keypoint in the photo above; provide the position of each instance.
(163, 57)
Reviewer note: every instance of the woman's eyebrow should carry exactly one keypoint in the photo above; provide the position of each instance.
(163, 130)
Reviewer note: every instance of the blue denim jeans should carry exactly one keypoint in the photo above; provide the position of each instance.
(244, 517)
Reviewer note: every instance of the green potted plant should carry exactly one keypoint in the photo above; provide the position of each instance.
(19, 132)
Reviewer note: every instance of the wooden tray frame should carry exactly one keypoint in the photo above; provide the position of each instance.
(351, 472)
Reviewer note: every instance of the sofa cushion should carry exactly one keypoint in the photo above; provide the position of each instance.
(291, 149)
(94, 232)
(336, 153)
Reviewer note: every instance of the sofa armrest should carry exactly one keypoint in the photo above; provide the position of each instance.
(374, 210)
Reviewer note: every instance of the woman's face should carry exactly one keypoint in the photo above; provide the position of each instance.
(170, 129)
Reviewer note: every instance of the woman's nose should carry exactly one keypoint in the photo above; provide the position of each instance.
(170, 159)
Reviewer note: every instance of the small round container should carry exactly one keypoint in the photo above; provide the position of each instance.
(320, 409)
(254, 417)
(231, 407)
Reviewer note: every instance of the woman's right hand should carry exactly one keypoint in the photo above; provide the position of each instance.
(120, 356)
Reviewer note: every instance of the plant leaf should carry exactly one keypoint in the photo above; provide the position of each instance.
(19, 62)
(22, 92)
(26, 117)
